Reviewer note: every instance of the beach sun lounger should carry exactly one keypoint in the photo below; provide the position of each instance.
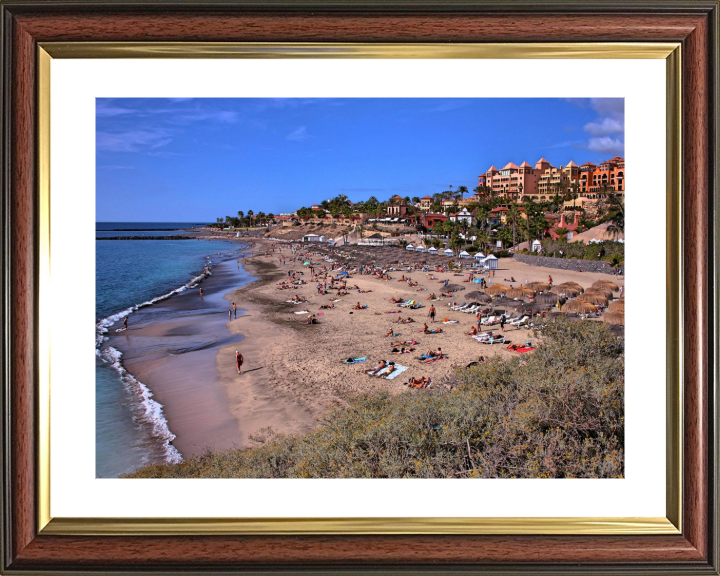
(482, 337)
(488, 321)
(521, 321)
(495, 340)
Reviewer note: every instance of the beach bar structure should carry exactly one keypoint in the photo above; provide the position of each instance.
(432, 250)
(409, 247)
(448, 252)
(313, 238)
(490, 262)
(464, 254)
(479, 255)
(420, 249)
(536, 246)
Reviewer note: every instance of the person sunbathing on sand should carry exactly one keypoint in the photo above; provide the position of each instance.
(389, 333)
(404, 321)
(358, 307)
(377, 368)
(386, 374)
(422, 382)
(405, 343)
(473, 331)
(431, 297)
(424, 328)
(433, 331)
(396, 300)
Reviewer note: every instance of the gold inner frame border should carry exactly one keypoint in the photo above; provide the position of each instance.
(671, 524)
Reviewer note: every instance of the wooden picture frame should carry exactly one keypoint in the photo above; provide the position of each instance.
(31, 546)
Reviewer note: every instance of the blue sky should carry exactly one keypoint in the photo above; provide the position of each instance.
(183, 160)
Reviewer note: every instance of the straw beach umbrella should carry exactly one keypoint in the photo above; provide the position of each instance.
(616, 306)
(453, 288)
(548, 298)
(606, 284)
(496, 289)
(519, 293)
(538, 286)
(578, 307)
(614, 318)
(606, 293)
(566, 291)
(503, 302)
(571, 283)
(478, 297)
(596, 299)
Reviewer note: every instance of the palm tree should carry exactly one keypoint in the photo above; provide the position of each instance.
(462, 190)
(561, 232)
(575, 187)
(483, 237)
(241, 214)
(513, 214)
(250, 214)
(481, 216)
(361, 229)
(455, 242)
(558, 189)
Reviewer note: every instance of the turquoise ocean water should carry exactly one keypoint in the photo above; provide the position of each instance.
(130, 274)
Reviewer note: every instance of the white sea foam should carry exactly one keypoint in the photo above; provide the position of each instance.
(153, 414)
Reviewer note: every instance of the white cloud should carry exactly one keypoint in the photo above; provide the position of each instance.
(109, 111)
(133, 140)
(606, 145)
(614, 107)
(299, 134)
(605, 127)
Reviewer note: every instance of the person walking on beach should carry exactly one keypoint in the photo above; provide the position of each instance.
(431, 313)
(234, 310)
(125, 323)
(229, 314)
(238, 360)
(502, 323)
(201, 293)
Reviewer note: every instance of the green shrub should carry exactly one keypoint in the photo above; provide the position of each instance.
(557, 412)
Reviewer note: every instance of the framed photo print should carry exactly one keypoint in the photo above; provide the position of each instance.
(342, 287)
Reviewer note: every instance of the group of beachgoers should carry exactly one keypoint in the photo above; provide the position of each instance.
(332, 278)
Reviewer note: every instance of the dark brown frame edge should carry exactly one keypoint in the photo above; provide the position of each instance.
(24, 24)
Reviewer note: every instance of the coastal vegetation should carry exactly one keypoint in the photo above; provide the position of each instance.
(556, 413)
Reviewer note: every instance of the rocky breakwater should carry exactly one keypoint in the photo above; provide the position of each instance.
(170, 237)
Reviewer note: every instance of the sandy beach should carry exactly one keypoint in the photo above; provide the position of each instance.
(293, 371)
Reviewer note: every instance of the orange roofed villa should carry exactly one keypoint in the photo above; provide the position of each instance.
(543, 181)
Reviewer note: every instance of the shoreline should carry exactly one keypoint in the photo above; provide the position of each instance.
(167, 348)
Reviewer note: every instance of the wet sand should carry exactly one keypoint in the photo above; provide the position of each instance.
(171, 347)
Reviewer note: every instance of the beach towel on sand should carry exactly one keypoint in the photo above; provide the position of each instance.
(303, 312)
(398, 370)
(355, 360)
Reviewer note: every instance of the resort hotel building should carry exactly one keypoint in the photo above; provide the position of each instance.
(543, 181)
